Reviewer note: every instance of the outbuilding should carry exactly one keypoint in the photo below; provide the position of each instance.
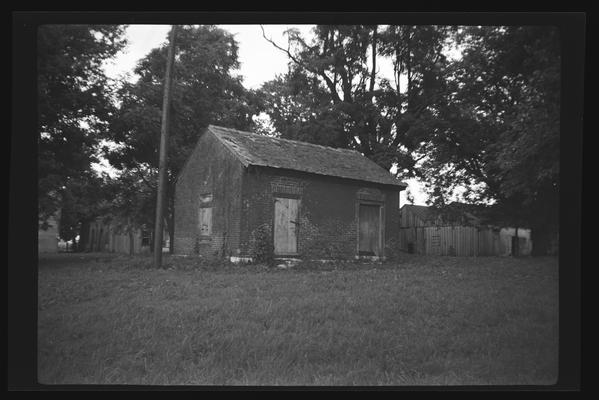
(459, 230)
(243, 196)
(114, 235)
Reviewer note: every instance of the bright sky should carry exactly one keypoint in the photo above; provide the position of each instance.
(260, 62)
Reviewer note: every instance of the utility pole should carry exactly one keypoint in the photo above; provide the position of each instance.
(166, 102)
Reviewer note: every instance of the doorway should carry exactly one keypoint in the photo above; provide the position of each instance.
(369, 231)
(286, 224)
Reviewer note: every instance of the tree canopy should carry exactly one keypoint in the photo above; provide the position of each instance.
(205, 91)
(502, 124)
(75, 106)
(334, 94)
(486, 123)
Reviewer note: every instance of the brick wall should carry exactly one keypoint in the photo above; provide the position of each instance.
(328, 211)
(211, 169)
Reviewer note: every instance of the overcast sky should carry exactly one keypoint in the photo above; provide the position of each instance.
(260, 61)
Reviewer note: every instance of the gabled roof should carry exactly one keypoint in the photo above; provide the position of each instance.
(266, 151)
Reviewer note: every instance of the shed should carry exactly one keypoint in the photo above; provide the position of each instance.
(114, 235)
(458, 230)
(243, 196)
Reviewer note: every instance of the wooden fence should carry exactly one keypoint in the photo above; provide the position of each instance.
(124, 243)
(452, 241)
(104, 237)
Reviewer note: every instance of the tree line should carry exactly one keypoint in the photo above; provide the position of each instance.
(487, 121)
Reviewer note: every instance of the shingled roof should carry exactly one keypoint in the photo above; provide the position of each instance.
(266, 151)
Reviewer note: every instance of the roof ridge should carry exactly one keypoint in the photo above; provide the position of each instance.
(249, 148)
(284, 139)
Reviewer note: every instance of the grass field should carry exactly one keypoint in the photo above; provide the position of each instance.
(106, 319)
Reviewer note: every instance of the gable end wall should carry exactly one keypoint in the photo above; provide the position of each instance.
(211, 169)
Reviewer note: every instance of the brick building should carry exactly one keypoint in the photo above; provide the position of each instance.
(459, 230)
(243, 196)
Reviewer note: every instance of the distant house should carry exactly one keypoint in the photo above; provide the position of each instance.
(242, 196)
(458, 230)
(114, 235)
(47, 239)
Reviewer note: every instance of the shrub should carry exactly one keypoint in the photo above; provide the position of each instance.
(262, 249)
(392, 250)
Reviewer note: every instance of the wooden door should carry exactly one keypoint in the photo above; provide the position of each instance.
(369, 230)
(286, 225)
(205, 221)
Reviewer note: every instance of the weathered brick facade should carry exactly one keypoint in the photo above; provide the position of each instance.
(241, 200)
(328, 211)
(211, 169)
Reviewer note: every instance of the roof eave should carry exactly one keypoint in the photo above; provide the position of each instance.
(235, 153)
(398, 184)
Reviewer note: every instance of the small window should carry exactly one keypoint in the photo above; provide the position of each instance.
(205, 215)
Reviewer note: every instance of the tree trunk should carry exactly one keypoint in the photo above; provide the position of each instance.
(131, 243)
(516, 245)
(373, 73)
(83, 236)
(409, 67)
(545, 221)
(543, 231)
(540, 241)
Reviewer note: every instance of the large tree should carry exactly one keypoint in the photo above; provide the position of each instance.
(334, 94)
(205, 91)
(74, 104)
(499, 135)
(485, 124)
(299, 108)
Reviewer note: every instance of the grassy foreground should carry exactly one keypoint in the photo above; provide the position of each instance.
(106, 319)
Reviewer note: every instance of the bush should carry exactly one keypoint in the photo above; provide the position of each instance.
(392, 250)
(262, 249)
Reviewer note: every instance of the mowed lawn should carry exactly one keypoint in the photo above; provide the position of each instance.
(105, 319)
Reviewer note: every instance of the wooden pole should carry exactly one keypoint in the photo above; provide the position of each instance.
(166, 101)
